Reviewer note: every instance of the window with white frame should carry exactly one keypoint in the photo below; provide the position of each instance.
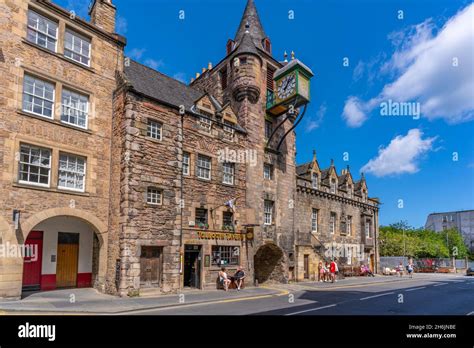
(153, 129)
(349, 225)
(35, 165)
(204, 167)
(368, 231)
(349, 191)
(343, 229)
(205, 123)
(42, 31)
(333, 185)
(228, 130)
(332, 223)
(72, 172)
(229, 170)
(77, 47)
(314, 220)
(38, 96)
(154, 196)
(186, 163)
(268, 212)
(267, 171)
(314, 180)
(75, 108)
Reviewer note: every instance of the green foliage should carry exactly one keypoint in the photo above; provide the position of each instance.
(401, 239)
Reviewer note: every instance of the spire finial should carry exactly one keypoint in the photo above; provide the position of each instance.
(348, 168)
(314, 155)
(285, 55)
(332, 162)
(292, 55)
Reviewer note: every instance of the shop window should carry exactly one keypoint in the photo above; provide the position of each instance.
(225, 255)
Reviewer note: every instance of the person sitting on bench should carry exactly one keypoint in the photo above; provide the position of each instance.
(239, 277)
(223, 279)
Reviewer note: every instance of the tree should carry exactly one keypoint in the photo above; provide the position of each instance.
(400, 239)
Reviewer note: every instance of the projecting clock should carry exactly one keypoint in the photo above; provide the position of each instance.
(292, 84)
(286, 87)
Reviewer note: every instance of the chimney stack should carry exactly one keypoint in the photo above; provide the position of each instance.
(102, 14)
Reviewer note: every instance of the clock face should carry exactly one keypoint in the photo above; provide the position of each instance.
(286, 86)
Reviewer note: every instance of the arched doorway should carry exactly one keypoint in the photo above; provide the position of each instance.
(269, 264)
(65, 249)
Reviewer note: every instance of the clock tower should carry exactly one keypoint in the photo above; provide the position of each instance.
(260, 90)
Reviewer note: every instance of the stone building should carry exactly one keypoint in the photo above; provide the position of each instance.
(168, 182)
(57, 74)
(335, 219)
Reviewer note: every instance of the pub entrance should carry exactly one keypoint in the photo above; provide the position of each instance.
(192, 266)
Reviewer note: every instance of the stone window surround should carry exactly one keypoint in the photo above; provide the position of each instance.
(150, 123)
(59, 85)
(62, 26)
(314, 211)
(159, 190)
(54, 171)
(215, 217)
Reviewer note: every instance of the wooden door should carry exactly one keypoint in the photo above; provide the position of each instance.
(150, 266)
(33, 260)
(67, 260)
(306, 266)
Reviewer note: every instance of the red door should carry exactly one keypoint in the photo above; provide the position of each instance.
(32, 262)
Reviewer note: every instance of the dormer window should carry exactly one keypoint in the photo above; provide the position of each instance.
(314, 181)
(205, 123)
(364, 196)
(333, 186)
(228, 130)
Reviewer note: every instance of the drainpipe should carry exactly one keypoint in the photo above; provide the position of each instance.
(181, 251)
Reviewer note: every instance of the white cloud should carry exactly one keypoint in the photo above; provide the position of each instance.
(354, 112)
(425, 68)
(153, 63)
(121, 25)
(315, 122)
(401, 155)
(136, 53)
(80, 7)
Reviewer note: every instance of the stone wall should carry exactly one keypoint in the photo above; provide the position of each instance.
(17, 126)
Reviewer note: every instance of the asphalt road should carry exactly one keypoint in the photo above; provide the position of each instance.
(442, 295)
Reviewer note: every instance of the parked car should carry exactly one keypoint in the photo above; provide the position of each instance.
(470, 271)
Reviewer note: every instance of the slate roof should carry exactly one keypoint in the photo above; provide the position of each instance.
(303, 168)
(159, 86)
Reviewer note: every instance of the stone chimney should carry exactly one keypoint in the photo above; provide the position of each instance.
(102, 14)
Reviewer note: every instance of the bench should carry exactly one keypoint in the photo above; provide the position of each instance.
(232, 285)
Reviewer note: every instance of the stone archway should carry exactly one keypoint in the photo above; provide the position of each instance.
(99, 228)
(269, 264)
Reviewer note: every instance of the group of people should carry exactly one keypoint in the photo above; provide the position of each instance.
(364, 270)
(400, 269)
(327, 271)
(225, 280)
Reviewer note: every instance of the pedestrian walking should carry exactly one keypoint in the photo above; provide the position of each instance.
(320, 271)
(332, 269)
(400, 269)
(410, 269)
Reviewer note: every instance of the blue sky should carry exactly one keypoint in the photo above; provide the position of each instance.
(422, 55)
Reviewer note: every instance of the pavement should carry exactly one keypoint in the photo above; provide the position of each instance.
(91, 301)
(423, 294)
